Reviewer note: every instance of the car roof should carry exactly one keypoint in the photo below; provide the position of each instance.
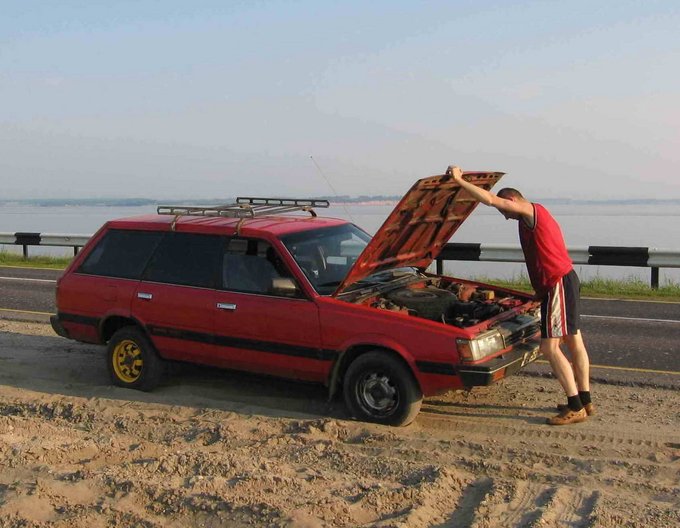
(278, 226)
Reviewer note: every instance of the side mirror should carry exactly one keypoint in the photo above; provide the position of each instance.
(285, 287)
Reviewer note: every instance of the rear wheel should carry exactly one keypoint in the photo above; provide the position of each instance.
(132, 360)
(379, 388)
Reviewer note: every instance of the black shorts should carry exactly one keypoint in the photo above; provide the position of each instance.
(560, 310)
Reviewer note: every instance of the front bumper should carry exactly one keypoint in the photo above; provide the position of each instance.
(58, 327)
(500, 367)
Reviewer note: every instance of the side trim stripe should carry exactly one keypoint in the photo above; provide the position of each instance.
(431, 367)
(428, 367)
(249, 344)
(80, 319)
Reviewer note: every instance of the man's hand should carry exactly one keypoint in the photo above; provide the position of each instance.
(478, 193)
(456, 172)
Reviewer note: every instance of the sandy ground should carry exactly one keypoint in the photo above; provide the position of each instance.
(215, 448)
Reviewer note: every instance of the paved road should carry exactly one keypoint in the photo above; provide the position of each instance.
(636, 334)
(625, 334)
(27, 289)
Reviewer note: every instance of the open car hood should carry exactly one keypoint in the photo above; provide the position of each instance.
(419, 226)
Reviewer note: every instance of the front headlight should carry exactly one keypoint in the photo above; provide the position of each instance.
(481, 346)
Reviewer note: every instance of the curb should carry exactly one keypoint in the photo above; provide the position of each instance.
(26, 317)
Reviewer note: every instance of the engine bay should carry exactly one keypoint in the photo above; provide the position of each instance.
(460, 304)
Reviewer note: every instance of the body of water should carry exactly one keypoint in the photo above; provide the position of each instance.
(583, 225)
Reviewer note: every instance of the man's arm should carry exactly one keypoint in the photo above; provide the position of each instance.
(523, 208)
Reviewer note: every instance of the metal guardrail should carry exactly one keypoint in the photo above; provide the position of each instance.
(642, 257)
(44, 239)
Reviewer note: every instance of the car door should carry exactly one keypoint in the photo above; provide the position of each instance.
(105, 282)
(262, 328)
(176, 298)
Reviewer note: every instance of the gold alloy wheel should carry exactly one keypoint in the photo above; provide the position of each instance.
(127, 361)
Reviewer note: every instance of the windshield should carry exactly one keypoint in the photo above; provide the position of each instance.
(326, 255)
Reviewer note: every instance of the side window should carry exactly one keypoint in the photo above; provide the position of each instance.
(251, 266)
(121, 253)
(187, 259)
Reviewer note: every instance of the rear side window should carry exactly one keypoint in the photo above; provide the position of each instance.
(121, 253)
(187, 259)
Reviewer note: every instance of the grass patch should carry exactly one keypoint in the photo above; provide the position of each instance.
(630, 288)
(42, 261)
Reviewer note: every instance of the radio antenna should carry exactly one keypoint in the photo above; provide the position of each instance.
(344, 205)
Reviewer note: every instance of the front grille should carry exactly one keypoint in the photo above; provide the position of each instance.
(519, 329)
(522, 334)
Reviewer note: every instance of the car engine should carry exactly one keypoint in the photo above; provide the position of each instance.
(459, 303)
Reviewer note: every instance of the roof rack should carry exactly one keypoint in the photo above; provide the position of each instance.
(246, 207)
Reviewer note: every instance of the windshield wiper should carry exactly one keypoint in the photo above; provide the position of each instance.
(331, 283)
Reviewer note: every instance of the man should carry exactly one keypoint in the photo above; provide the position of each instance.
(557, 287)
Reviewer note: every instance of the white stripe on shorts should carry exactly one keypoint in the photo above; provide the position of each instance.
(557, 315)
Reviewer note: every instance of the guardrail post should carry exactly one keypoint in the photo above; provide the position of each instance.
(655, 278)
(26, 239)
(440, 266)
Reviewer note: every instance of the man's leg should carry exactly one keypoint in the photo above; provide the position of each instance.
(581, 367)
(550, 347)
(574, 340)
(554, 323)
(574, 412)
(579, 360)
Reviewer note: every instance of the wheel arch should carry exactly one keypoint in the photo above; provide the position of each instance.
(111, 324)
(346, 358)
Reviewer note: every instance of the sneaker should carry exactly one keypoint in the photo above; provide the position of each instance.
(568, 417)
(589, 407)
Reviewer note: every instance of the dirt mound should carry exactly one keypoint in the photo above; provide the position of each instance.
(212, 448)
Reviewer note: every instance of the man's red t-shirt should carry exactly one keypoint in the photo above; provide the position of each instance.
(544, 251)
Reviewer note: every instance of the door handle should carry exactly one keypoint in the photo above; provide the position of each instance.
(226, 306)
(145, 296)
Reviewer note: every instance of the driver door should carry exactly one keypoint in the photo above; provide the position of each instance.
(260, 328)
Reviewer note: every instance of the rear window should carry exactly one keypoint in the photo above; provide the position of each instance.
(121, 253)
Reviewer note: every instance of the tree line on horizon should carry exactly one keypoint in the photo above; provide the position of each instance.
(139, 202)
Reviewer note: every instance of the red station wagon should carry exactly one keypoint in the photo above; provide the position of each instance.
(250, 286)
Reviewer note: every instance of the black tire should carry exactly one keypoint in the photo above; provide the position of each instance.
(379, 388)
(132, 361)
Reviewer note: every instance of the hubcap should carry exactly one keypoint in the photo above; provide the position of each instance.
(377, 394)
(127, 361)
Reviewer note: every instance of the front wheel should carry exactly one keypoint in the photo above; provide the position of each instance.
(132, 360)
(379, 388)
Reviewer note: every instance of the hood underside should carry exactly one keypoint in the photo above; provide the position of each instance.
(419, 226)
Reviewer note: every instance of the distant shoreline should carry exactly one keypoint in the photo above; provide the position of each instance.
(340, 200)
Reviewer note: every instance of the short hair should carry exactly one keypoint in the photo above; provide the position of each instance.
(509, 192)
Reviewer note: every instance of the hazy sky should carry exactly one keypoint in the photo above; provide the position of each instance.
(176, 99)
